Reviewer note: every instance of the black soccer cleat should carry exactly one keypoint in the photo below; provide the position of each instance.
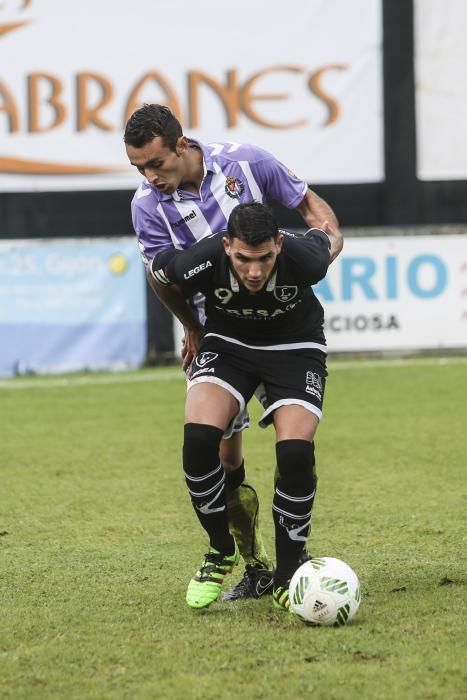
(254, 584)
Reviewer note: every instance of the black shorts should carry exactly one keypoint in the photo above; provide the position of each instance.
(291, 376)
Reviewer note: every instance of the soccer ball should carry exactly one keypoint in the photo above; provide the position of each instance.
(325, 591)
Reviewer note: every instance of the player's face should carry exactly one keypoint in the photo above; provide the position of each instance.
(163, 168)
(253, 265)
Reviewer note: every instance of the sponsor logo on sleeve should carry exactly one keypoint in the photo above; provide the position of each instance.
(199, 268)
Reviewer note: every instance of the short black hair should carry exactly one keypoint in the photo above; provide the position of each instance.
(149, 121)
(253, 223)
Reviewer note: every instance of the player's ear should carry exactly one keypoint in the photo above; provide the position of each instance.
(182, 145)
(279, 242)
(226, 242)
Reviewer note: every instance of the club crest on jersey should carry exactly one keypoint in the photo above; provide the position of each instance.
(285, 293)
(205, 357)
(234, 187)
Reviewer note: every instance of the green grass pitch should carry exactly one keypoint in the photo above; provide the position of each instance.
(98, 542)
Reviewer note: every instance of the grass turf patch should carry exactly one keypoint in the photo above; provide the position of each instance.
(98, 542)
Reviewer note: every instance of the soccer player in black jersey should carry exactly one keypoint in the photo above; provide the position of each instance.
(263, 325)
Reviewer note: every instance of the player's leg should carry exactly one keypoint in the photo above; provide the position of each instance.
(224, 373)
(295, 382)
(294, 493)
(245, 504)
(208, 411)
(305, 554)
(243, 510)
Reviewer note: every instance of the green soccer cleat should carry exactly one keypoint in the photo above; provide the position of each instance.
(205, 587)
(280, 599)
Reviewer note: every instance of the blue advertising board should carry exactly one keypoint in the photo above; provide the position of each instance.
(71, 305)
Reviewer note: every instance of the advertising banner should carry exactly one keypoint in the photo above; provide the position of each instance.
(303, 81)
(397, 293)
(69, 305)
(441, 89)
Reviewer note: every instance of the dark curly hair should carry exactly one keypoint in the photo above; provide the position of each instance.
(252, 223)
(149, 121)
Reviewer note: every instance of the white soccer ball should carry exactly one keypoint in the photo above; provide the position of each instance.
(325, 591)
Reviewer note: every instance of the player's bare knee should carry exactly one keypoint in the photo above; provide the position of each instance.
(230, 462)
(231, 452)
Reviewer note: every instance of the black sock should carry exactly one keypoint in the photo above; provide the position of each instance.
(292, 505)
(205, 479)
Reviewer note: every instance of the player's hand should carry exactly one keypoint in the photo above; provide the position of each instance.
(190, 345)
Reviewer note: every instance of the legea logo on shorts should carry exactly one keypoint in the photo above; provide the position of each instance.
(205, 357)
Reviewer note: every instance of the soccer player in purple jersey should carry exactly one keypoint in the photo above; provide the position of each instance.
(189, 192)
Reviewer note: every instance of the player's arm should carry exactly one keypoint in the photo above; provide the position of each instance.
(173, 299)
(317, 213)
(278, 182)
(177, 274)
(189, 269)
(154, 237)
(309, 255)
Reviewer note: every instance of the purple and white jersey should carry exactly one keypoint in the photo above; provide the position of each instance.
(233, 173)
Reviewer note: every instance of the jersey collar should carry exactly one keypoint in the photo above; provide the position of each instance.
(207, 160)
(234, 286)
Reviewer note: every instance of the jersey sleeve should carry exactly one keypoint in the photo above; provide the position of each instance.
(150, 228)
(276, 181)
(309, 255)
(190, 269)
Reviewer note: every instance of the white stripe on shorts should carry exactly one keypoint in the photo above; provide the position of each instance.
(289, 402)
(220, 382)
(234, 425)
(281, 346)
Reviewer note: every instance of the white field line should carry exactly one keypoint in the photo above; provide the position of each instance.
(92, 380)
(170, 375)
